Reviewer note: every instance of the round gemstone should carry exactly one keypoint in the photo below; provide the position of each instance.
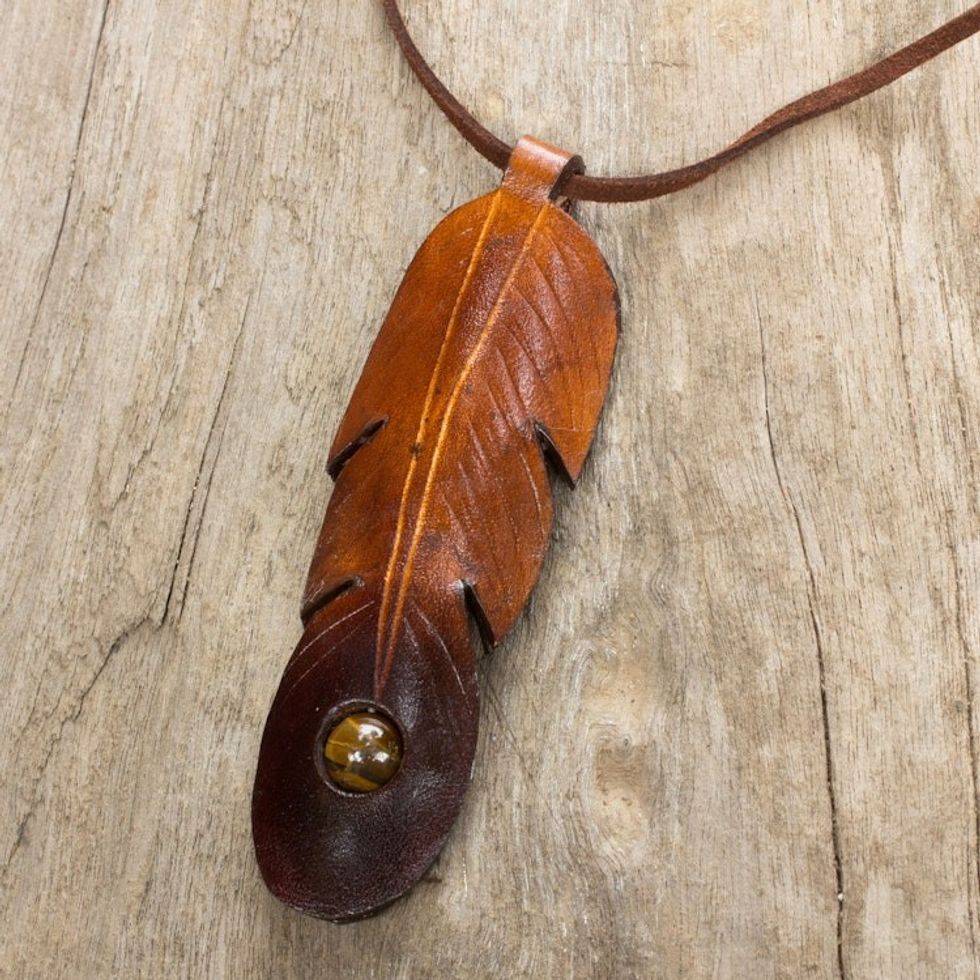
(362, 752)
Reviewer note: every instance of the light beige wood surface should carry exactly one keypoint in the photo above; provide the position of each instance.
(736, 733)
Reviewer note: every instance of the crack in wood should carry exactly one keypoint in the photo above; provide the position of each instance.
(969, 681)
(903, 353)
(821, 660)
(21, 832)
(68, 197)
(20, 835)
(962, 633)
(205, 454)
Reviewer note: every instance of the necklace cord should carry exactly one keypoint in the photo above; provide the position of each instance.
(643, 188)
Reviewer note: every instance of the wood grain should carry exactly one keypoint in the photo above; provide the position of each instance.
(736, 734)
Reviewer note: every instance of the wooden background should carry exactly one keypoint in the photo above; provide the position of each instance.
(737, 733)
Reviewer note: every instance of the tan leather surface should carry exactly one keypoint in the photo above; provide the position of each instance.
(492, 363)
(538, 171)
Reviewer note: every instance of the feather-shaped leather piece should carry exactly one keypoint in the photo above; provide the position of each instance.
(491, 367)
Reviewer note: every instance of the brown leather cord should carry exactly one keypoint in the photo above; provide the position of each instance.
(642, 188)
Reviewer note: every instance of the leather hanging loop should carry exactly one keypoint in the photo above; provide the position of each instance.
(538, 171)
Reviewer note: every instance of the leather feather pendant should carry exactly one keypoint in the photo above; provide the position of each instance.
(491, 367)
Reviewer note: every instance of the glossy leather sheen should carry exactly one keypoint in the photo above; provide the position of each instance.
(490, 369)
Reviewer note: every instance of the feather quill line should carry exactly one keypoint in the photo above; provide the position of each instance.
(383, 629)
(384, 667)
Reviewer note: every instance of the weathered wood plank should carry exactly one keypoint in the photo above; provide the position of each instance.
(747, 680)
